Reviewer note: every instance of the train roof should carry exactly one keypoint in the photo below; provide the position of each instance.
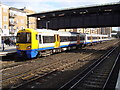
(96, 35)
(58, 32)
(49, 30)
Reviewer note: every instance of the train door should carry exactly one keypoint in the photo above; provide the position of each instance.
(98, 38)
(57, 40)
(35, 41)
(91, 39)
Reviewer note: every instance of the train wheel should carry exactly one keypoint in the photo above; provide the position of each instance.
(69, 48)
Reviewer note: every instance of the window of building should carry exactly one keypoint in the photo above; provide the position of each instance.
(16, 20)
(5, 18)
(22, 21)
(5, 26)
(11, 28)
(17, 27)
(22, 27)
(5, 10)
(11, 20)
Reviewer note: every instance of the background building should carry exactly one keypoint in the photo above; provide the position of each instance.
(13, 19)
(105, 30)
(17, 20)
(31, 23)
(4, 20)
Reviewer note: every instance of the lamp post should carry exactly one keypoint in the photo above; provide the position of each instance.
(47, 24)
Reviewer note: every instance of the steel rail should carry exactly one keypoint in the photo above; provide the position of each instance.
(38, 67)
(111, 72)
(16, 65)
(91, 66)
(53, 70)
(57, 69)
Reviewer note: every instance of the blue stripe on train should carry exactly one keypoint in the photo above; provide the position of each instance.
(68, 45)
(33, 53)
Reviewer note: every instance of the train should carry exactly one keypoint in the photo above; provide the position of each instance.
(31, 43)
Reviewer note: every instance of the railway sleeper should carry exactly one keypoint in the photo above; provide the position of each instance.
(96, 79)
(92, 85)
(98, 76)
(94, 82)
(28, 77)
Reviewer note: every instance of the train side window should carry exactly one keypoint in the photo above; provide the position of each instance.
(64, 38)
(94, 37)
(36, 37)
(48, 39)
(40, 39)
(82, 38)
(73, 38)
(89, 38)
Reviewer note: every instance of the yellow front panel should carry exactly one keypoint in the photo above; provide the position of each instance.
(34, 40)
(23, 46)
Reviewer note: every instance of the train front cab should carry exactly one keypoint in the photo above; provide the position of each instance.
(27, 43)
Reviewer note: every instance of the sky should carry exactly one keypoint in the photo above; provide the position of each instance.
(50, 5)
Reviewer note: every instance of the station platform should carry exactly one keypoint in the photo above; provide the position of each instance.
(7, 50)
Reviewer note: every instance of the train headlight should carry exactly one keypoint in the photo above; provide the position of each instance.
(28, 47)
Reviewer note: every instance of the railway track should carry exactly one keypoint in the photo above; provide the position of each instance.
(41, 72)
(97, 75)
(45, 70)
(18, 63)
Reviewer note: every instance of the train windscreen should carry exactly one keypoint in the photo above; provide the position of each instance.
(23, 37)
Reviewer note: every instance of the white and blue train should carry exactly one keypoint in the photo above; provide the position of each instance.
(31, 43)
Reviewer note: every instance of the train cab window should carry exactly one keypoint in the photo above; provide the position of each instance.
(28, 37)
(23, 37)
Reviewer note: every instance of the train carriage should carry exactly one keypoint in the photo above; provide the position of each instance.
(31, 43)
(95, 38)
